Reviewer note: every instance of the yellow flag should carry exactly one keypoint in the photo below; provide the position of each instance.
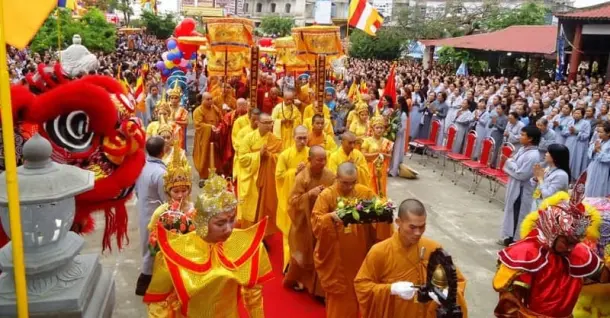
(22, 19)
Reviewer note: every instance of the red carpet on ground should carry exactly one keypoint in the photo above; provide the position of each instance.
(282, 302)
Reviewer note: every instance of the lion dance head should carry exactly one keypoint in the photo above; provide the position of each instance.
(89, 123)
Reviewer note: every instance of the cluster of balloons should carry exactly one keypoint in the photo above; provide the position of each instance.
(179, 56)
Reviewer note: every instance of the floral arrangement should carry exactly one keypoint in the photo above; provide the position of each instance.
(355, 211)
(393, 125)
(174, 221)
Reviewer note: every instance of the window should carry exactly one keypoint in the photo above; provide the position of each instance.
(273, 7)
(287, 8)
(259, 7)
(246, 7)
(333, 10)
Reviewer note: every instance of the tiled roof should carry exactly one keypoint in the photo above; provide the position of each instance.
(534, 39)
(597, 12)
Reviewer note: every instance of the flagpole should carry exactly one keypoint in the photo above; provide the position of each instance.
(12, 187)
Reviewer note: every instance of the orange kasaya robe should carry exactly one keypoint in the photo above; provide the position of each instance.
(300, 238)
(339, 251)
(379, 180)
(203, 120)
(256, 179)
(389, 262)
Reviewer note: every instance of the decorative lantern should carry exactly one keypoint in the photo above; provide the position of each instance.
(287, 55)
(59, 280)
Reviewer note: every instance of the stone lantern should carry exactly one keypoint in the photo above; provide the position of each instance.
(60, 282)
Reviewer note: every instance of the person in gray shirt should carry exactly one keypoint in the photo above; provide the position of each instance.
(151, 194)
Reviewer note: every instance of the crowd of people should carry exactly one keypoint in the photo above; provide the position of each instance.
(292, 159)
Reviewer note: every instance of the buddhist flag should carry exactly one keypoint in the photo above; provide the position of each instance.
(22, 19)
(363, 16)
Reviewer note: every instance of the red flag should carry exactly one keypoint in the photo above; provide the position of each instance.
(390, 87)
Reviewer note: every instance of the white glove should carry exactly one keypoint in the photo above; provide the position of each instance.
(404, 290)
(435, 298)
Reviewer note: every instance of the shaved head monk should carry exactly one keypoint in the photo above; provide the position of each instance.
(258, 152)
(307, 187)
(290, 162)
(385, 282)
(340, 250)
(347, 153)
(206, 119)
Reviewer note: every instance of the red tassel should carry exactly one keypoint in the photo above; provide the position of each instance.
(121, 219)
(109, 229)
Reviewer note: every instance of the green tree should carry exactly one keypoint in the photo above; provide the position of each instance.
(386, 45)
(123, 6)
(162, 26)
(279, 26)
(530, 13)
(96, 33)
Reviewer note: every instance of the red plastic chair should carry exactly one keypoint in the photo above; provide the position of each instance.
(431, 141)
(443, 150)
(487, 150)
(455, 157)
(492, 174)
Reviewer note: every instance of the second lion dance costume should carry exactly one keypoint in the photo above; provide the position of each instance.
(542, 274)
(90, 124)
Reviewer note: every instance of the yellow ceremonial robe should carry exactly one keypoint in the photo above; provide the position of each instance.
(285, 131)
(256, 179)
(339, 251)
(285, 174)
(239, 123)
(359, 129)
(204, 279)
(357, 158)
(389, 262)
(204, 119)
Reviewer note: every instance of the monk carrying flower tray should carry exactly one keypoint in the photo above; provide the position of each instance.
(376, 210)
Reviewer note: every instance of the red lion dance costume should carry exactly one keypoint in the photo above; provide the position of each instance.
(90, 124)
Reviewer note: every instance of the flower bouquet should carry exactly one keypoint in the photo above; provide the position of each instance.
(355, 211)
(174, 221)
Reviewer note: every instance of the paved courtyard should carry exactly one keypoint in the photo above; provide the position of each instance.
(466, 225)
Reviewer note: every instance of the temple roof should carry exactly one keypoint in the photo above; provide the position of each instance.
(597, 12)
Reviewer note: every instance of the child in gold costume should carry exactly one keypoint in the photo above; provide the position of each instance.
(199, 274)
(168, 133)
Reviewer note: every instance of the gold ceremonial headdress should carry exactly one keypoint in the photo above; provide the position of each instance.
(177, 174)
(175, 91)
(164, 127)
(362, 107)
(216, 198)
(162, 104)
(378, 120)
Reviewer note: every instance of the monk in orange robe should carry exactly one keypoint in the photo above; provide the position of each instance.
(206, 119)
(317, 136)
(340, 250)
(258, 153)
(309, 183)
(385, 282)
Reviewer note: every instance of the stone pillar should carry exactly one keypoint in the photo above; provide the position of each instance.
(60, 282)
(576, 55)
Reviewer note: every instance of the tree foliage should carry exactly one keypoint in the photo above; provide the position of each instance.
(124, 6)
(96, 33)
(275, 25)
(457, 19)
(385, 46)
(162, 26)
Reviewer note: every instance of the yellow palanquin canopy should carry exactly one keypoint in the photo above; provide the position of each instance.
(232, 65)
(287, 55)
(229, 34)
(193, 40)
(312, 41)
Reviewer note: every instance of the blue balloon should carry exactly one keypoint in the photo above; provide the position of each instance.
(171, 56)
(194, 55)
(165, 72)
(171, 44)
(177, 55)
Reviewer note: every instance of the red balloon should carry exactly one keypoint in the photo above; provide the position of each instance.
(185, 28)
(265, 42)
(176, 61)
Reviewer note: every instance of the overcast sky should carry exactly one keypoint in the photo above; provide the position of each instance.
(586, 3)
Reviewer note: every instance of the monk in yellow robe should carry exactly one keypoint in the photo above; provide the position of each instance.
(225, 96)
(286, 116)
(307, 187)
(340, 250)
(317, 136)
(304, 87)
(347, 153)
(290, 162)
(206, 118)
(385, 282)
(258, 152)
(252, 116)
(316, 109)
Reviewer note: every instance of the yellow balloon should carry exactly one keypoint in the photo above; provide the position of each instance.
(169, 65)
